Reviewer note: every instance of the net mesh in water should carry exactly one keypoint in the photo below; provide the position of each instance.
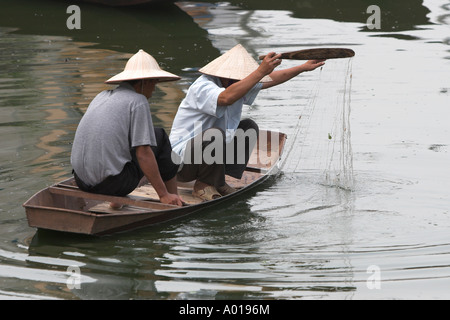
(322, 138)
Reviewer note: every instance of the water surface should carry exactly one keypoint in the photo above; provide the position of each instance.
(292, 238)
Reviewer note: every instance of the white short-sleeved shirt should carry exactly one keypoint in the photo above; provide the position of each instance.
(115, 122)
(199, 111)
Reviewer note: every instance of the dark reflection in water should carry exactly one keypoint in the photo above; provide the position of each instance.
(167, 32)
(395, 15)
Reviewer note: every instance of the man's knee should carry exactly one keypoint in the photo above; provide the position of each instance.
(247, 124)
(161, 137)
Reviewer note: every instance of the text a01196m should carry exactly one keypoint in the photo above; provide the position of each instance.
(233, 309)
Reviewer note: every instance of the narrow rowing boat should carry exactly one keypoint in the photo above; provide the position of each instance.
(64, 207)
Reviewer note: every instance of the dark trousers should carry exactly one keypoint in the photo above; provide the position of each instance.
(214, 173)
(127, 180)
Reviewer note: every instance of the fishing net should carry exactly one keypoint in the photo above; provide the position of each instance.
(321, 143)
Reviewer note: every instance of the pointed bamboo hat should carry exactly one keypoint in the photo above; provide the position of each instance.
(235, 64)
(142, 66)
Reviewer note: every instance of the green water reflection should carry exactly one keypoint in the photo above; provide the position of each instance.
(167, 33)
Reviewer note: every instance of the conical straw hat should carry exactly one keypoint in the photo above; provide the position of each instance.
(235, 64)
(142, 66)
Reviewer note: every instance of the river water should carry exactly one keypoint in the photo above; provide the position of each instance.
(295, 237)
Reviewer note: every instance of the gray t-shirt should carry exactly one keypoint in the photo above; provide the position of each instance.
(115, 121)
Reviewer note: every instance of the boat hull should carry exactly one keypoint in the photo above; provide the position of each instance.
(79, 221)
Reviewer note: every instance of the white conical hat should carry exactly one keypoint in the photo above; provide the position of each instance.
(142, 66)
(235, 64)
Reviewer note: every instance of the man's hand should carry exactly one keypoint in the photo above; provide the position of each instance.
(149, 167)
(270, 62)
(311, 65)
(171, 199)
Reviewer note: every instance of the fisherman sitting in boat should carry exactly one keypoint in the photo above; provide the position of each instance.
(116, 145)
(214, 104)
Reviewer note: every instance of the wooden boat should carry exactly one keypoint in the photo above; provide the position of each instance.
(64, 207)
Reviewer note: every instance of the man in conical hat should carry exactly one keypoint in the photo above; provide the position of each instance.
(214, 102)
(116, 145)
